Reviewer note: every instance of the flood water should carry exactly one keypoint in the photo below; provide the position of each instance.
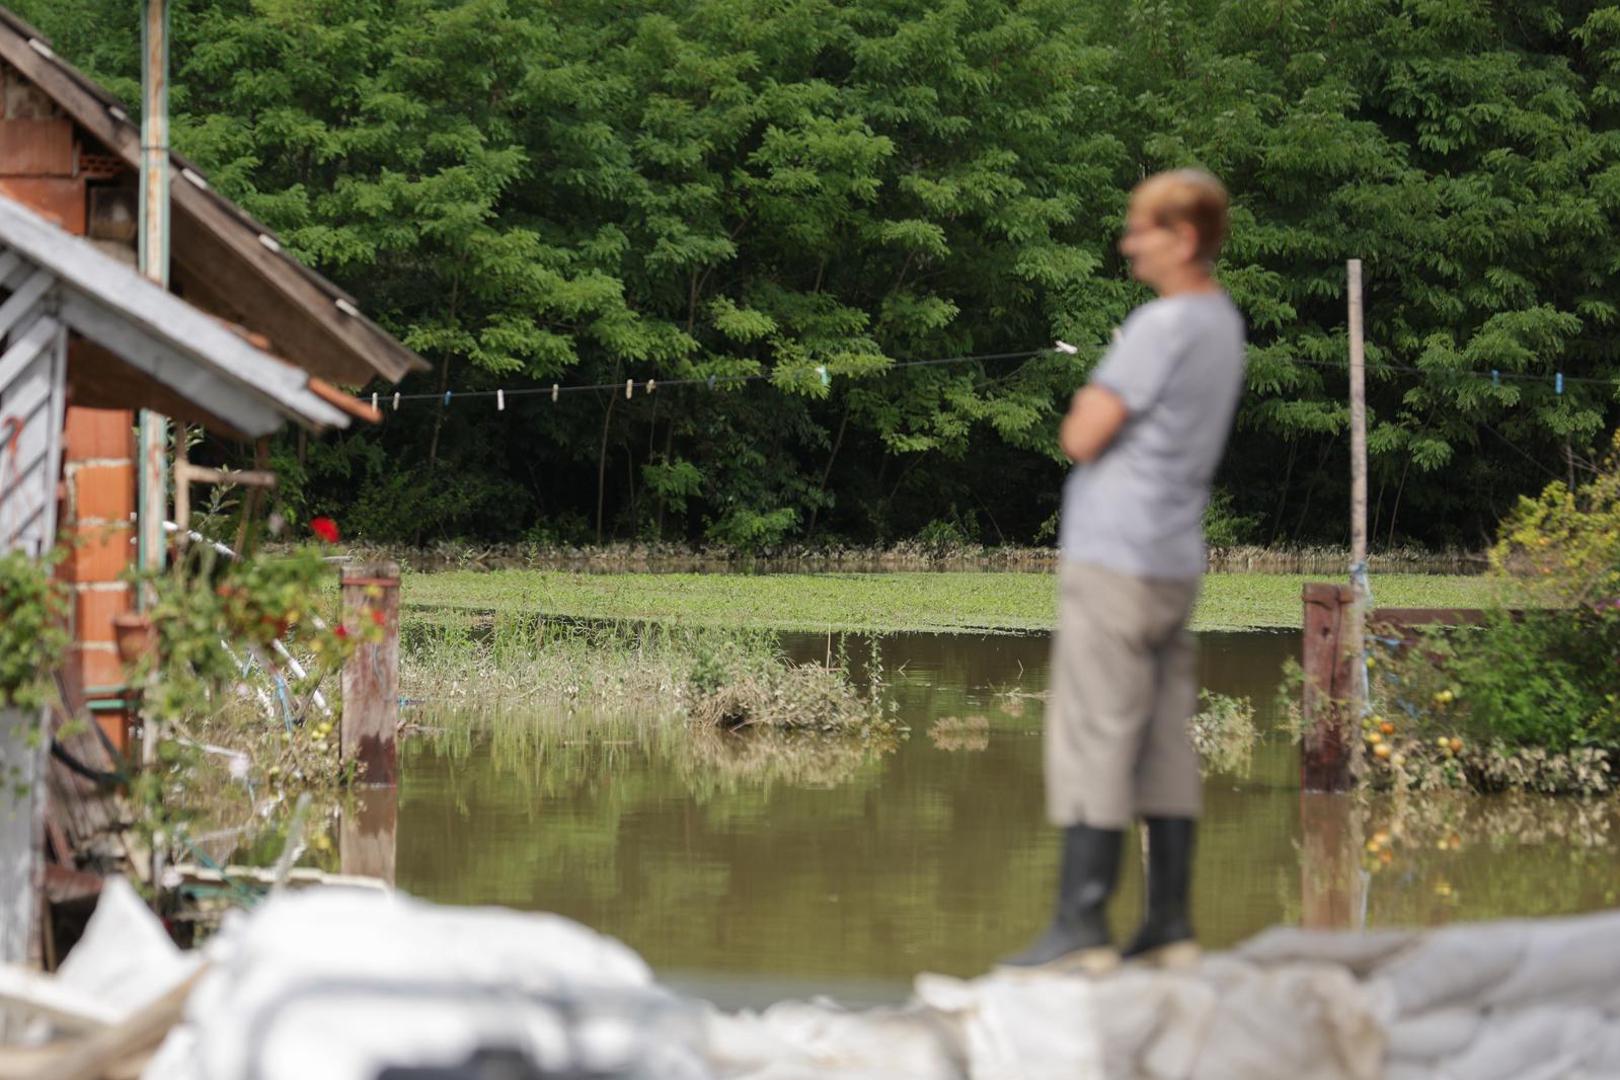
(847, 871)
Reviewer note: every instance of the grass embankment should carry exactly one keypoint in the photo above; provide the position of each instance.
(1007, 602)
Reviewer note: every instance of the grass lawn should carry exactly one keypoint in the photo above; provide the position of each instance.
(880, 602)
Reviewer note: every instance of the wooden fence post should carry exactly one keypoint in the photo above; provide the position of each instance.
(1331, 891)
(371, 676)
(366, 834)
(1329, 671)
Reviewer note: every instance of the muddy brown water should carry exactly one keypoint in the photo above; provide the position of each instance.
(849, 872)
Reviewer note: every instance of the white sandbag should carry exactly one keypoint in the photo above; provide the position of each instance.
(818, 1040)
(124, 961)
(334, 984)
(1021, 1027)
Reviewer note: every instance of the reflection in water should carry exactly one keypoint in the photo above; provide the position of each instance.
(783, 868)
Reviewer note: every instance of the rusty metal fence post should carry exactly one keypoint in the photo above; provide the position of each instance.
(1329, 671)
(371, 675)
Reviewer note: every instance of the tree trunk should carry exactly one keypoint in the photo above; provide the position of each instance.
(669, 443)
(601, 456)
(438, 416)
(1395, 509)
(827, 472)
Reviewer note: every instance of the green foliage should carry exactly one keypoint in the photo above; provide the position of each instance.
(589, 192)
(748, 530)
(1529, 680)
(1224, 527)
(33, 630)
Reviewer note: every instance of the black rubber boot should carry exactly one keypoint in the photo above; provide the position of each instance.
(1166, 936)
(1078, 938)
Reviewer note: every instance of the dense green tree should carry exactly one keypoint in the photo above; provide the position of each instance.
(532, 193)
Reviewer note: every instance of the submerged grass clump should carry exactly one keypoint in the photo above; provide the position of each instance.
(1224, 732)
(708, 678)
(961, 733)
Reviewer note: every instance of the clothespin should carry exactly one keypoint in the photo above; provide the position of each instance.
(629, 385)
(1066, 348)
(821, 369)
(396, 401)
(652, 384)
(447, 394)
(711, 382)
(1496, 377)
(374, 401)
(1558, 383)
(554, 393)
(500, 400)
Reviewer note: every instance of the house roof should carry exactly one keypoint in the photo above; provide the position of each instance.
(192, 358)
(220, 254)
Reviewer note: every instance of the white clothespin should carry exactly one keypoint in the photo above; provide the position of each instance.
(374, 401)
(629, 385)
(1066, 348)
(500, 400)
(652, 384)
(554, 392)
(821, 369)
(396, 401)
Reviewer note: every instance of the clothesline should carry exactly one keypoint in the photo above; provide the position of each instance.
(647, 386)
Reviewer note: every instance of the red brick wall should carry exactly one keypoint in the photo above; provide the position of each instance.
(98, 466)
(40, 154)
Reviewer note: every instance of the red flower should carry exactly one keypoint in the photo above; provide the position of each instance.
(378, 617)
(325, 528)
(340, 631)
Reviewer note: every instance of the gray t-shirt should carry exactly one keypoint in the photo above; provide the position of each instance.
(1138, 509)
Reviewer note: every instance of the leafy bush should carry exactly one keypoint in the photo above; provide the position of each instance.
(33, 634)
(750, 530)
(1529, 699)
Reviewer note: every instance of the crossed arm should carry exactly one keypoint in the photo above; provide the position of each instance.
(1095, 416)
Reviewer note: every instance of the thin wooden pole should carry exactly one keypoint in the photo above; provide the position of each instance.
(1358, 421)
(1355, 637)
(154, 258)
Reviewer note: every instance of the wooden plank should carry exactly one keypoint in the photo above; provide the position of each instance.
(91, 277)
(22, 301)
(27, 349)
(198, 474)
(231, 396)
(111, 303)
(371, 675)
(92, 1057)
(26, 990)
(21, 832)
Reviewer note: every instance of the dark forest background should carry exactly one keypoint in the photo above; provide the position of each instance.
(530, 192)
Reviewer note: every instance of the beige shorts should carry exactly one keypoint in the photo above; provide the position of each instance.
(1124, 684)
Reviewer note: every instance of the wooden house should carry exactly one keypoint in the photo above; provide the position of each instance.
(246, 341)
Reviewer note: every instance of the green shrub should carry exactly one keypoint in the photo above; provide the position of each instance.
(33, 621)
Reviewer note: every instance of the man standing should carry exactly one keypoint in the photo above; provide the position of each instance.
(1146, 435)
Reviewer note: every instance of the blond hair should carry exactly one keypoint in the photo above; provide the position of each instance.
(1192, 196)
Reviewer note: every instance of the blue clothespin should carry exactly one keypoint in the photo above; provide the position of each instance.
(1558, 383)
(711, 382)
(1496, 377)
(821, 369)
(447, 397)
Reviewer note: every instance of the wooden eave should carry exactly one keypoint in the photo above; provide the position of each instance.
(220, 254)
